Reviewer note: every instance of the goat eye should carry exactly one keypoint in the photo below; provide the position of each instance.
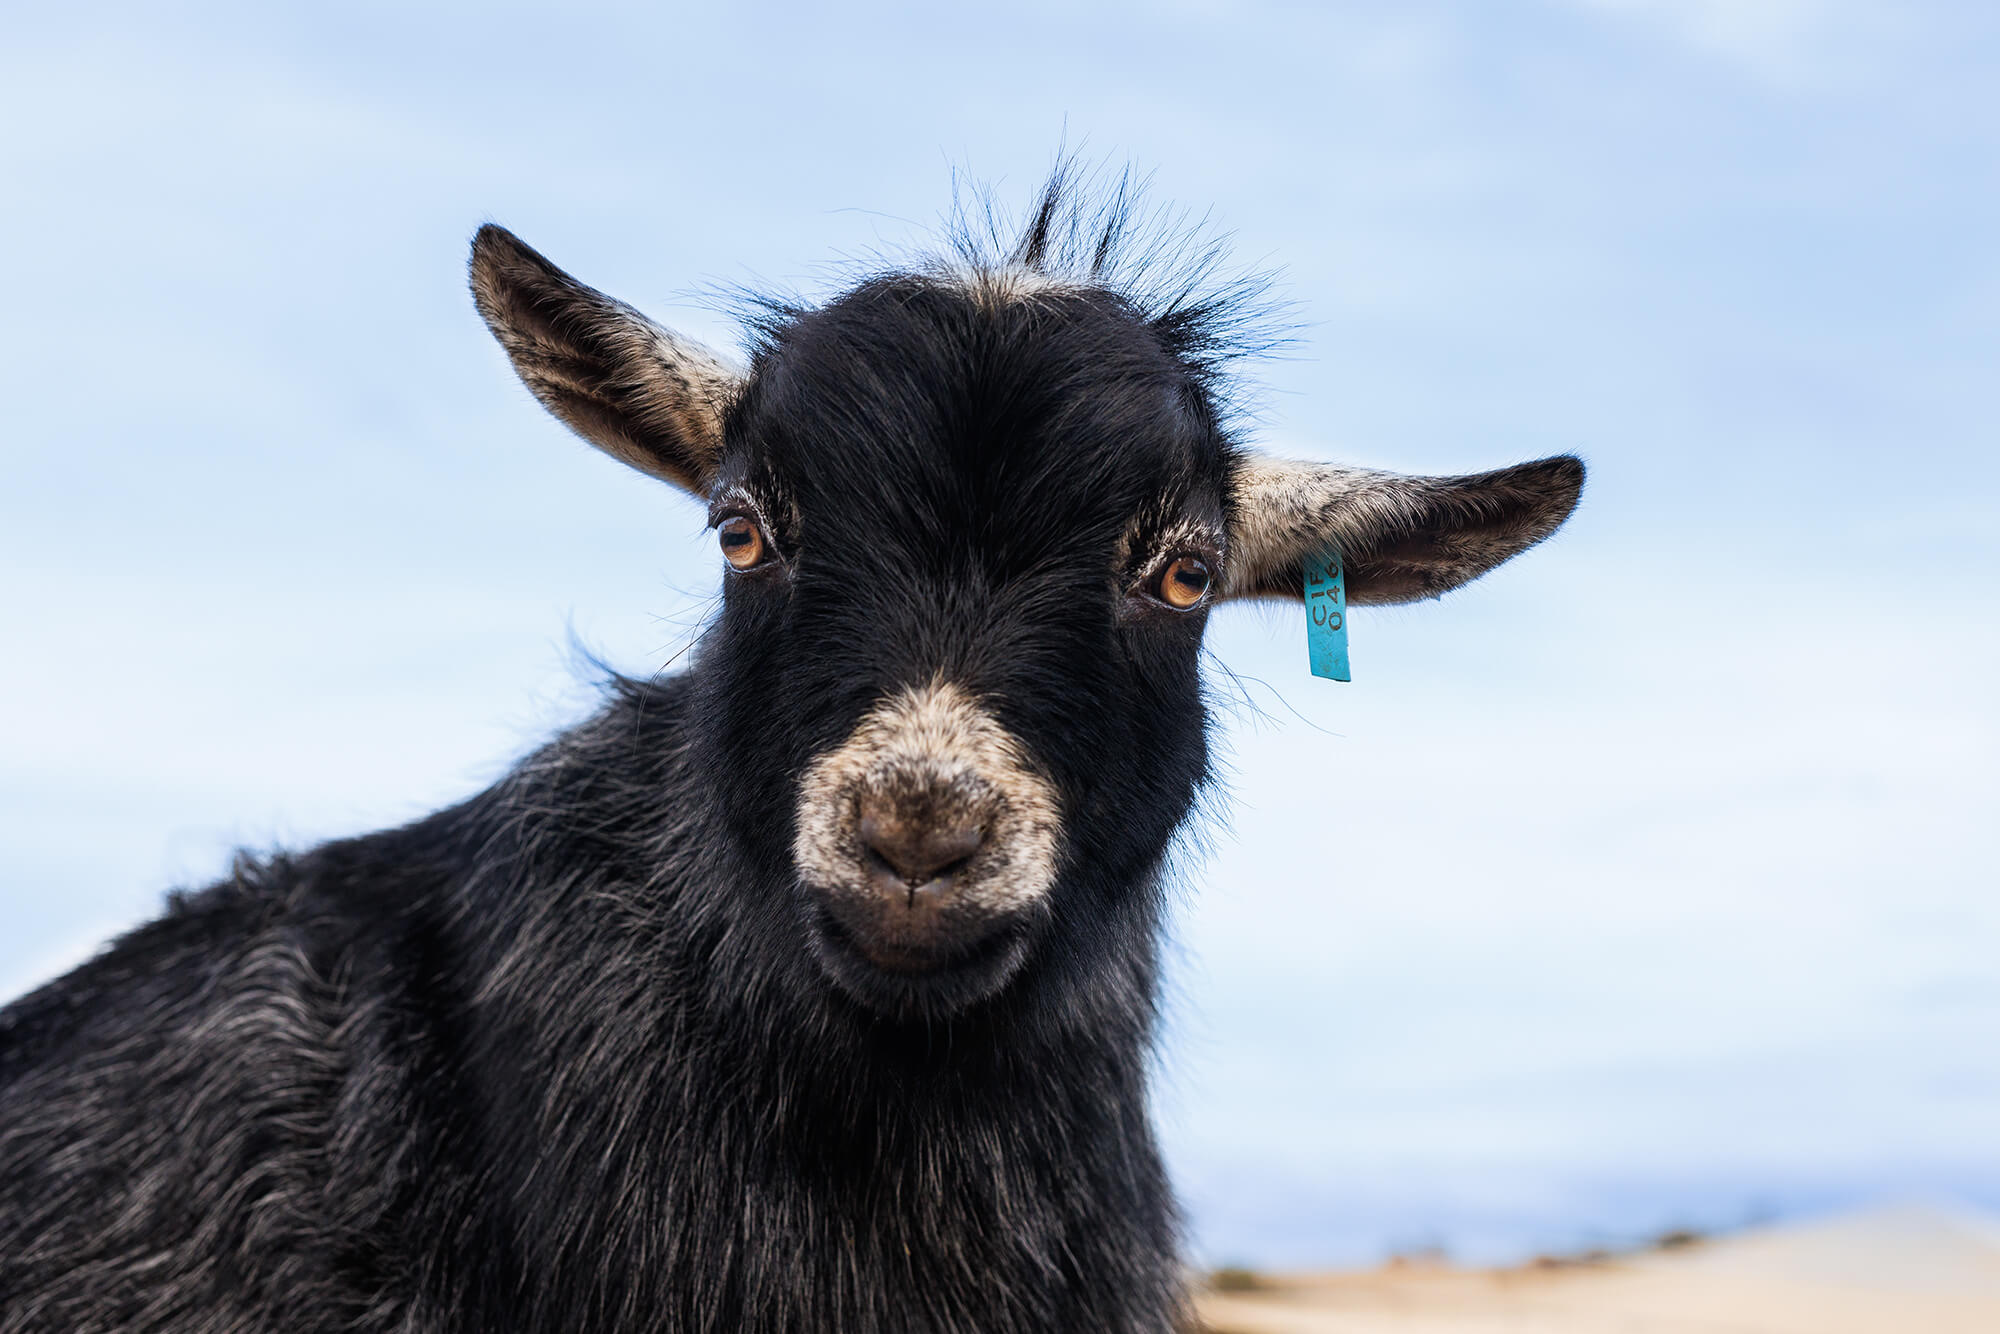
(742, 542)
(1184, 582)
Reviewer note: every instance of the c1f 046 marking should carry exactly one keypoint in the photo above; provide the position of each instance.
(1326, 615)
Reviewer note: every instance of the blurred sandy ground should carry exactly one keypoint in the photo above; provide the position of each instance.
(1905, 1270)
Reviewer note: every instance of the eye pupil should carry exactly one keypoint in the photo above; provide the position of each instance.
(1184, 583)
(742, 542)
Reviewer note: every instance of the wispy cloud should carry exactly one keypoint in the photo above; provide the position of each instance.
(1786, 42)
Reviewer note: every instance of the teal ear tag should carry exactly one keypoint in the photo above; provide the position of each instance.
(1326, 615)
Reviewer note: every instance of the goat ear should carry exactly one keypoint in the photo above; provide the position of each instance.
(640, 393)
(1401, 538)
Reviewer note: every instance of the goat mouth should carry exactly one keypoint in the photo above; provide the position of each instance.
(914, 959)
(900, 975)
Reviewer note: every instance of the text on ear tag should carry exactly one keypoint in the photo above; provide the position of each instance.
(1326, 615)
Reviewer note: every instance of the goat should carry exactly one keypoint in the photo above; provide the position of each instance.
(811, 988)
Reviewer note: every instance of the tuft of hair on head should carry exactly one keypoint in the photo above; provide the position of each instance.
(1093, 226)
(1090, 227)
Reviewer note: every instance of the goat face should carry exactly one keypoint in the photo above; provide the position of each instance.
(965, 505)
(972, 527)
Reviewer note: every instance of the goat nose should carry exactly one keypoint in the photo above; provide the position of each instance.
(915, 849)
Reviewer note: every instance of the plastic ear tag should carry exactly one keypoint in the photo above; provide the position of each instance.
(1326, 615)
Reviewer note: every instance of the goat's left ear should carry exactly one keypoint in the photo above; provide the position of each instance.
(641, 393)
(1401, 538)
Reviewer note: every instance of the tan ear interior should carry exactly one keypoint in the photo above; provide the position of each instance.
(1402, 538)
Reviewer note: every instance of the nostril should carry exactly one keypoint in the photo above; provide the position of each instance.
(916, 851)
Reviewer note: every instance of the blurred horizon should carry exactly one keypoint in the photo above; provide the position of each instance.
(1648, 882)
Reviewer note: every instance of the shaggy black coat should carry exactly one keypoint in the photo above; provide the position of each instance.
(562, 1058)
(557, 1059)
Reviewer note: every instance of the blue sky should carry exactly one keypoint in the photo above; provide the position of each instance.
(1650, 880)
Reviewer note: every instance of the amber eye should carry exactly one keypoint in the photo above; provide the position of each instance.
(742, 542)
(1184, 582)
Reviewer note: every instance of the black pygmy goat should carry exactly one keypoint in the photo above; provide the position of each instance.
(811, 989)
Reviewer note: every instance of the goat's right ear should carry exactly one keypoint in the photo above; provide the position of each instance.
(640, 393)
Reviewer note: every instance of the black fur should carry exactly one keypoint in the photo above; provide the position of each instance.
(562, 1058)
